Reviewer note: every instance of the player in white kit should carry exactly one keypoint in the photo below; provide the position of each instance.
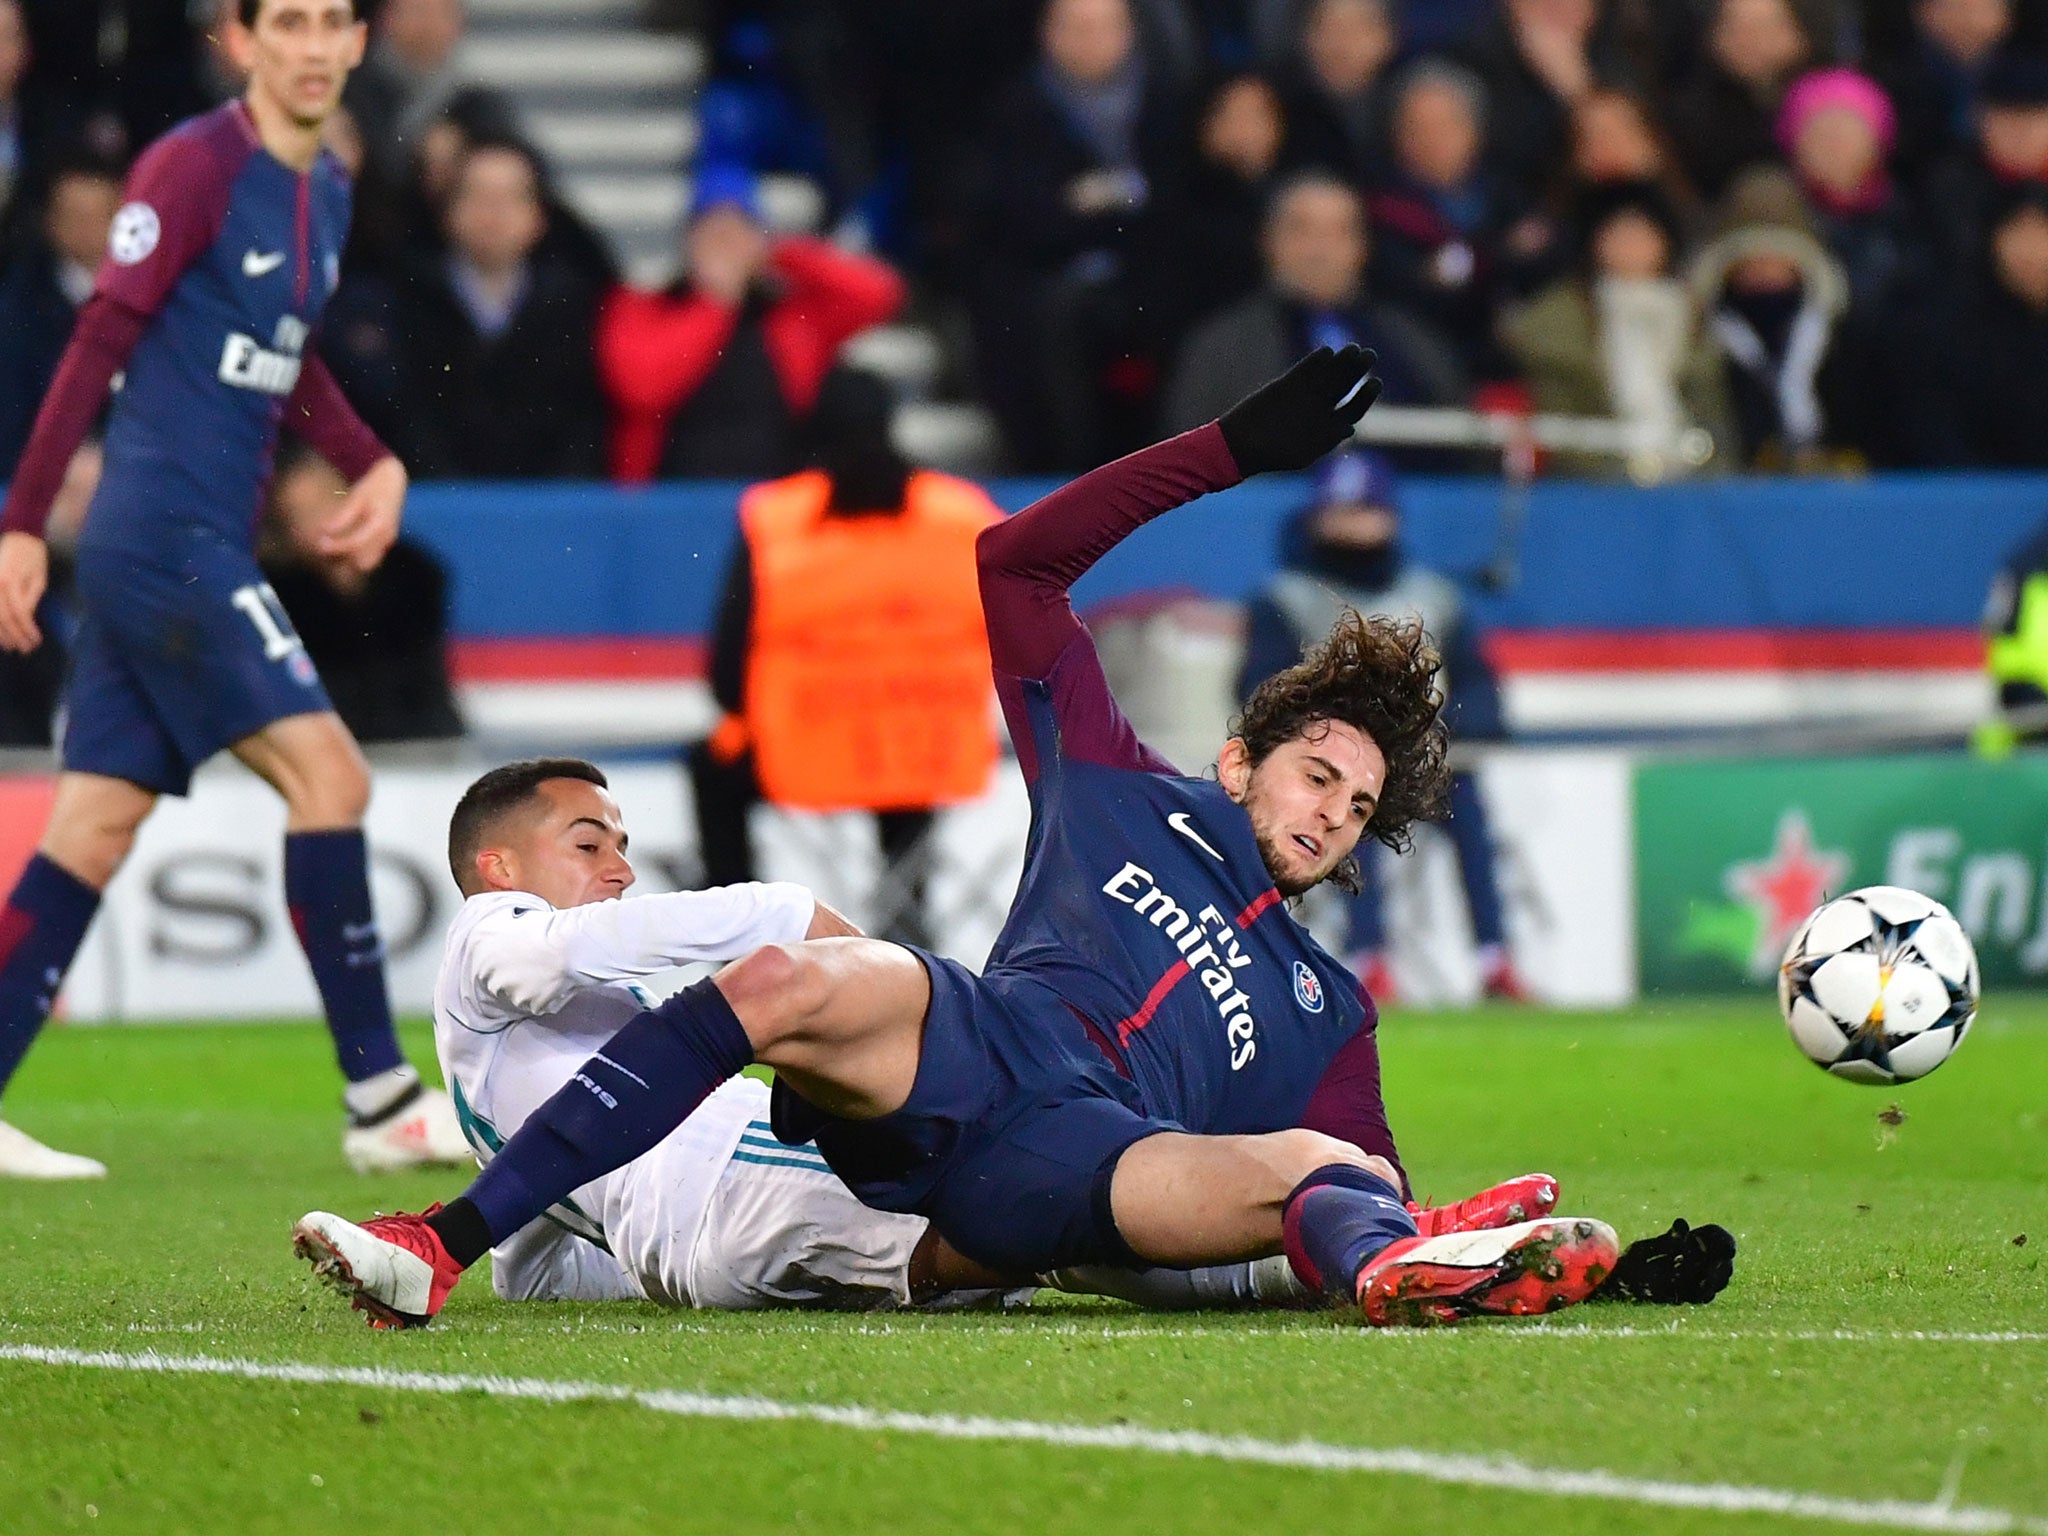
(541, 968)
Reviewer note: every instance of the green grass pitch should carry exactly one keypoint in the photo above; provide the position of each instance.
(1886, 1338)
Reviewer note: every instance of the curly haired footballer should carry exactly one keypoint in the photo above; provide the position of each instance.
(1379, 675)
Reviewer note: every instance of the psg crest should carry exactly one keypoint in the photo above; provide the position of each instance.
(1308, 987)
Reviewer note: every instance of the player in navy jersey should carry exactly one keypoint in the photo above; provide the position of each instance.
(1158, 1065)
(220, 262)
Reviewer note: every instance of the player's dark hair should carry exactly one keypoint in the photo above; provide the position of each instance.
(494, 796)
(1377, 675)
(249, 10)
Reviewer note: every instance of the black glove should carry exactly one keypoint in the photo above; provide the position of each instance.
(1685, 1264)
(1295, 419)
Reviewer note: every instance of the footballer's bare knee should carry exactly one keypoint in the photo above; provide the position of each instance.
(93, 825)
(315, 764)
(776, 990)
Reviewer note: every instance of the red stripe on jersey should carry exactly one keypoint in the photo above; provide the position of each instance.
(1258, 909)
(1165, 984)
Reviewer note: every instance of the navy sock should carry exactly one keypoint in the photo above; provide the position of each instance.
(642, 1085)
(1336, 1220)
(327, 888)
(41, 927)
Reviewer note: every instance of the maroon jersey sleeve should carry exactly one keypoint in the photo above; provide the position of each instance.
(177, 197)
(320, 413)
(1347, 1102)
(1029, 563)
(176, 201)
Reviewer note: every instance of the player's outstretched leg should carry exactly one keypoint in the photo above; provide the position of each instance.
(841, 1016)
(1338, 1224)
(393, 1269)
(394, 1120)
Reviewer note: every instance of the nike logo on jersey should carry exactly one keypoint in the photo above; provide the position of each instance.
(1180, 823)
(256, 264)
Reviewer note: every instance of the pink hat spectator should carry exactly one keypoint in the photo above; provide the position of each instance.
(1846, 88)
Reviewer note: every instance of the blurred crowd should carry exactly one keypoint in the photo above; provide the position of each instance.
(1817, 228)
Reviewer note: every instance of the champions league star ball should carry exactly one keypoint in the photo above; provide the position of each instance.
(1879, 986)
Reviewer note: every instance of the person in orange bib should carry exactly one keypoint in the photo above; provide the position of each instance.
(849, 654)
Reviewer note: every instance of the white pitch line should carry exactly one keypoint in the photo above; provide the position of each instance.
(1499, 1473)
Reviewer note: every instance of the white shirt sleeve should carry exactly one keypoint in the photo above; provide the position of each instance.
(533, 959)
(544, 1262)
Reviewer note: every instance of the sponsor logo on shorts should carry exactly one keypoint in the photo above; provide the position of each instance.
(1308, 987)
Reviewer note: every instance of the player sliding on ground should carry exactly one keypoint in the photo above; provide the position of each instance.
(217, 271)
(538, 973)
(1159, 1067)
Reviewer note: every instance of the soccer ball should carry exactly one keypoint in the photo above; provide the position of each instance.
(1879, 985)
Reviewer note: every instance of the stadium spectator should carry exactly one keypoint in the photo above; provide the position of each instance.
(498, 336)
(1935, 82)
(1316, 250)
(714, 377)
(1838, 129)
(1449, 242)
(43, 288)
(17, 141)
(1538, 58)
(2011, 146)
(379, 638)
(1614, 139)
(1336, 112)
(1621, 336)
(1988, 350)
(1344, 551)
(1197, 248)
(1076, 149)
(411, 74)
(849, 654)
(1775, 301)
(1723, 117)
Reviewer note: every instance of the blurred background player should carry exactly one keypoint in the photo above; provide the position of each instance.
(2016, 648)
(217, 269)
(1345, 552)
(849, 653)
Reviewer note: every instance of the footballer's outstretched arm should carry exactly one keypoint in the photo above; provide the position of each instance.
(1029, 562)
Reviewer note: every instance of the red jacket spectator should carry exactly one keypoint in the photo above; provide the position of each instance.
(698, 351)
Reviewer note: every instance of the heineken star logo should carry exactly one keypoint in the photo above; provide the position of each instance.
(1784, 889)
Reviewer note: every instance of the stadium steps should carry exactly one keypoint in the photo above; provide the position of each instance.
(610, 102)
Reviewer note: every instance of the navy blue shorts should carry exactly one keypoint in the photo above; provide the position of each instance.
(1011, 1133)
(174, 659)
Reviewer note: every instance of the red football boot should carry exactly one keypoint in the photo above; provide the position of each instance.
(1526, 1198)
(392, 1269)
(1519, 1271)
(1502, 983)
